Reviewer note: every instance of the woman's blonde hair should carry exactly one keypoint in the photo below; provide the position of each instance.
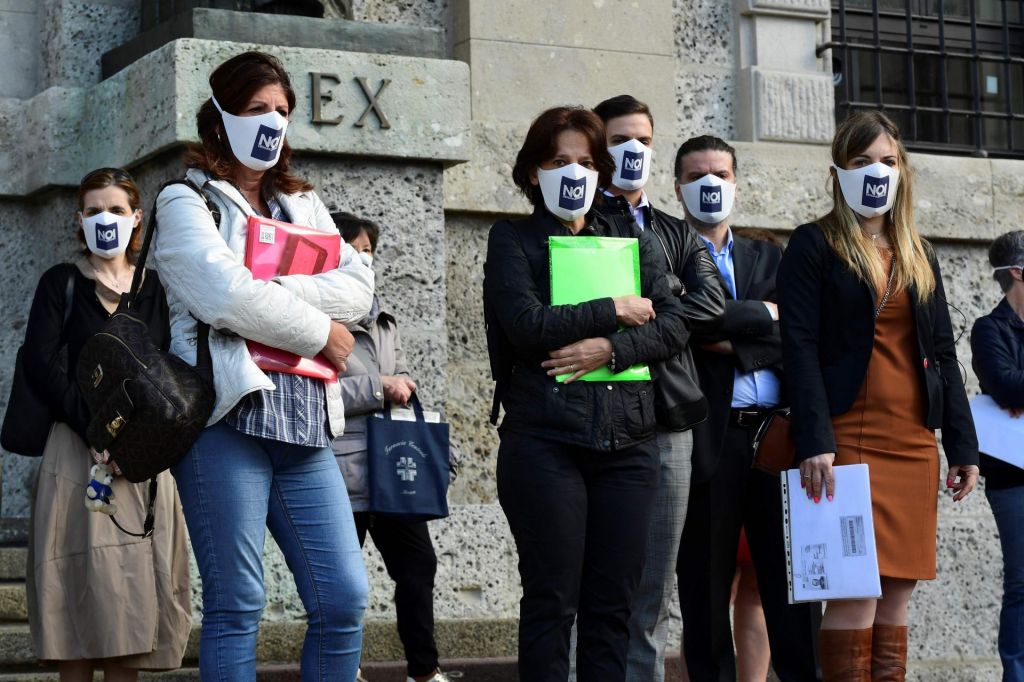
(842, 228)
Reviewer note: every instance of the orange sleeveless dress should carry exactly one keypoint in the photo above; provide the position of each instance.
(885, 430)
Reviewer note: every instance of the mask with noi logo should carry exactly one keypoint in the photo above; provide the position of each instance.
(108, 234)
(632, 164)
(256, 141)
(709, 199)
(870, 191)
(568, 191)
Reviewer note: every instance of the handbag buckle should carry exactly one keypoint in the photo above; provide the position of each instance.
(97, 376)
(115, 425)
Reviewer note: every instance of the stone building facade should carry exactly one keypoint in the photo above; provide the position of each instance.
(466, 78)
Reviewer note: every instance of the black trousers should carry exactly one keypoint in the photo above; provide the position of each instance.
(737, 496)
(409, 557)
(579, 518)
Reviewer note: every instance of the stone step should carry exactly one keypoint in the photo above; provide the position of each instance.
(471, 670)
(12, 563)
(282, 641)
(13, 605)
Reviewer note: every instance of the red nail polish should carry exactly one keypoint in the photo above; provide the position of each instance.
(817, 499)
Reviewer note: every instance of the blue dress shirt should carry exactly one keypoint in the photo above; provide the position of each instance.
(759, 388)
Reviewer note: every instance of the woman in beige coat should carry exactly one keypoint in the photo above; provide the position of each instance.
(98, 598)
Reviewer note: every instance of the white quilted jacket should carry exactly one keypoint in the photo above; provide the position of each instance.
(202, 270)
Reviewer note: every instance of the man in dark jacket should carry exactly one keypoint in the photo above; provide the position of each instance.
(629, 128)
(740, 373)
(997, 347)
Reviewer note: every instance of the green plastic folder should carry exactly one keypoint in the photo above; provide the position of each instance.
(588, 268)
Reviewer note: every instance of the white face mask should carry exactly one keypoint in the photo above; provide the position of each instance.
(568, 191)
(256, 141)
(107, 234)
(871, 190)
(632, 164)
(709, 199)
(366, 258)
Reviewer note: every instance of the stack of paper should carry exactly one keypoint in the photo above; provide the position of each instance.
(830, 546)
(999, 435)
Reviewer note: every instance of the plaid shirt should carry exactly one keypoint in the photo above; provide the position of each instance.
(296, 412)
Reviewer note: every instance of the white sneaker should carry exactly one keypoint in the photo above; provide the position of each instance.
(438, 677)
(359, 676)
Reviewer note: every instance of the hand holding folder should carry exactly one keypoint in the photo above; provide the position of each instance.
(588, 268)
(830, 546)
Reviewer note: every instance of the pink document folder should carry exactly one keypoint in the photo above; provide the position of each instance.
(274, 248)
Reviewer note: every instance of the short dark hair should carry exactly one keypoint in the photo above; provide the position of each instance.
(540, 144)
(351, 226)
(622, 105)
(703, 143)
(1006, 249)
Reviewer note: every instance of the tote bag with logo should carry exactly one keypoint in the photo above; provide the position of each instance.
(408, 464)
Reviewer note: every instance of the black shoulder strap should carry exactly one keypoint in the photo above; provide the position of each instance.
(147, 525)
(69, 296)
(204, 363)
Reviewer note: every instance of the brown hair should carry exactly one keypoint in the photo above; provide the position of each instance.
(622, 105)
(842, 227)
(233, 84)
(541, 143)
(113, 177)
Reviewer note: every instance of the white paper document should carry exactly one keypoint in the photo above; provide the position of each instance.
(999, 435)
(830, 546)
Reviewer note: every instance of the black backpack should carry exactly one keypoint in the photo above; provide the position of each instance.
(148, 406)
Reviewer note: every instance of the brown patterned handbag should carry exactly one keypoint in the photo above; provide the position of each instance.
(774, 449)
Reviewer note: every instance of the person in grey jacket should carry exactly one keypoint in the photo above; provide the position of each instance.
(377, 374)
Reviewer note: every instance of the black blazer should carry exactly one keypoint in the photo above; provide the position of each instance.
(828, 331)
(523, 326)
(54, 380)
(997, 349)
(748, 325)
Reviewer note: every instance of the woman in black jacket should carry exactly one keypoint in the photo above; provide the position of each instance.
(872, 371)
(997, 345)
(577, 466)
(99, 599)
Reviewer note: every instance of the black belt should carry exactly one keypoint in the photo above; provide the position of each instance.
(749, 417)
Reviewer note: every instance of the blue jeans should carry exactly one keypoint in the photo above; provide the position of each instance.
(1008, 507)
(234, 486)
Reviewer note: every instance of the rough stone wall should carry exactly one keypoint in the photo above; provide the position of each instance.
(426, 13)
(705, 68)
(75, 34)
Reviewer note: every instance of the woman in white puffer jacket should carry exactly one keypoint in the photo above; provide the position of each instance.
(264, 460)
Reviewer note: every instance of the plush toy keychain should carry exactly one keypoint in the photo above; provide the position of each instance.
(98, 494)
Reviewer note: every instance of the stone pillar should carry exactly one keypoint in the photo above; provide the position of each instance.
(525, 57)
(784, 91)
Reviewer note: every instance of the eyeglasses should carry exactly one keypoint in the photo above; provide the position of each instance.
(119, 175)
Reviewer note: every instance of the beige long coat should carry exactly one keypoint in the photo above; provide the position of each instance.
(93, 591)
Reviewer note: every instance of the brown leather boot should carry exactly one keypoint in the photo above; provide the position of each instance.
(889, 653)
(845, 655)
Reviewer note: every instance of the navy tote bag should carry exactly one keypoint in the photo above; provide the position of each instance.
(408, 465)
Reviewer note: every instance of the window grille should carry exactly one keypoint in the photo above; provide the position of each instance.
(949, 72)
